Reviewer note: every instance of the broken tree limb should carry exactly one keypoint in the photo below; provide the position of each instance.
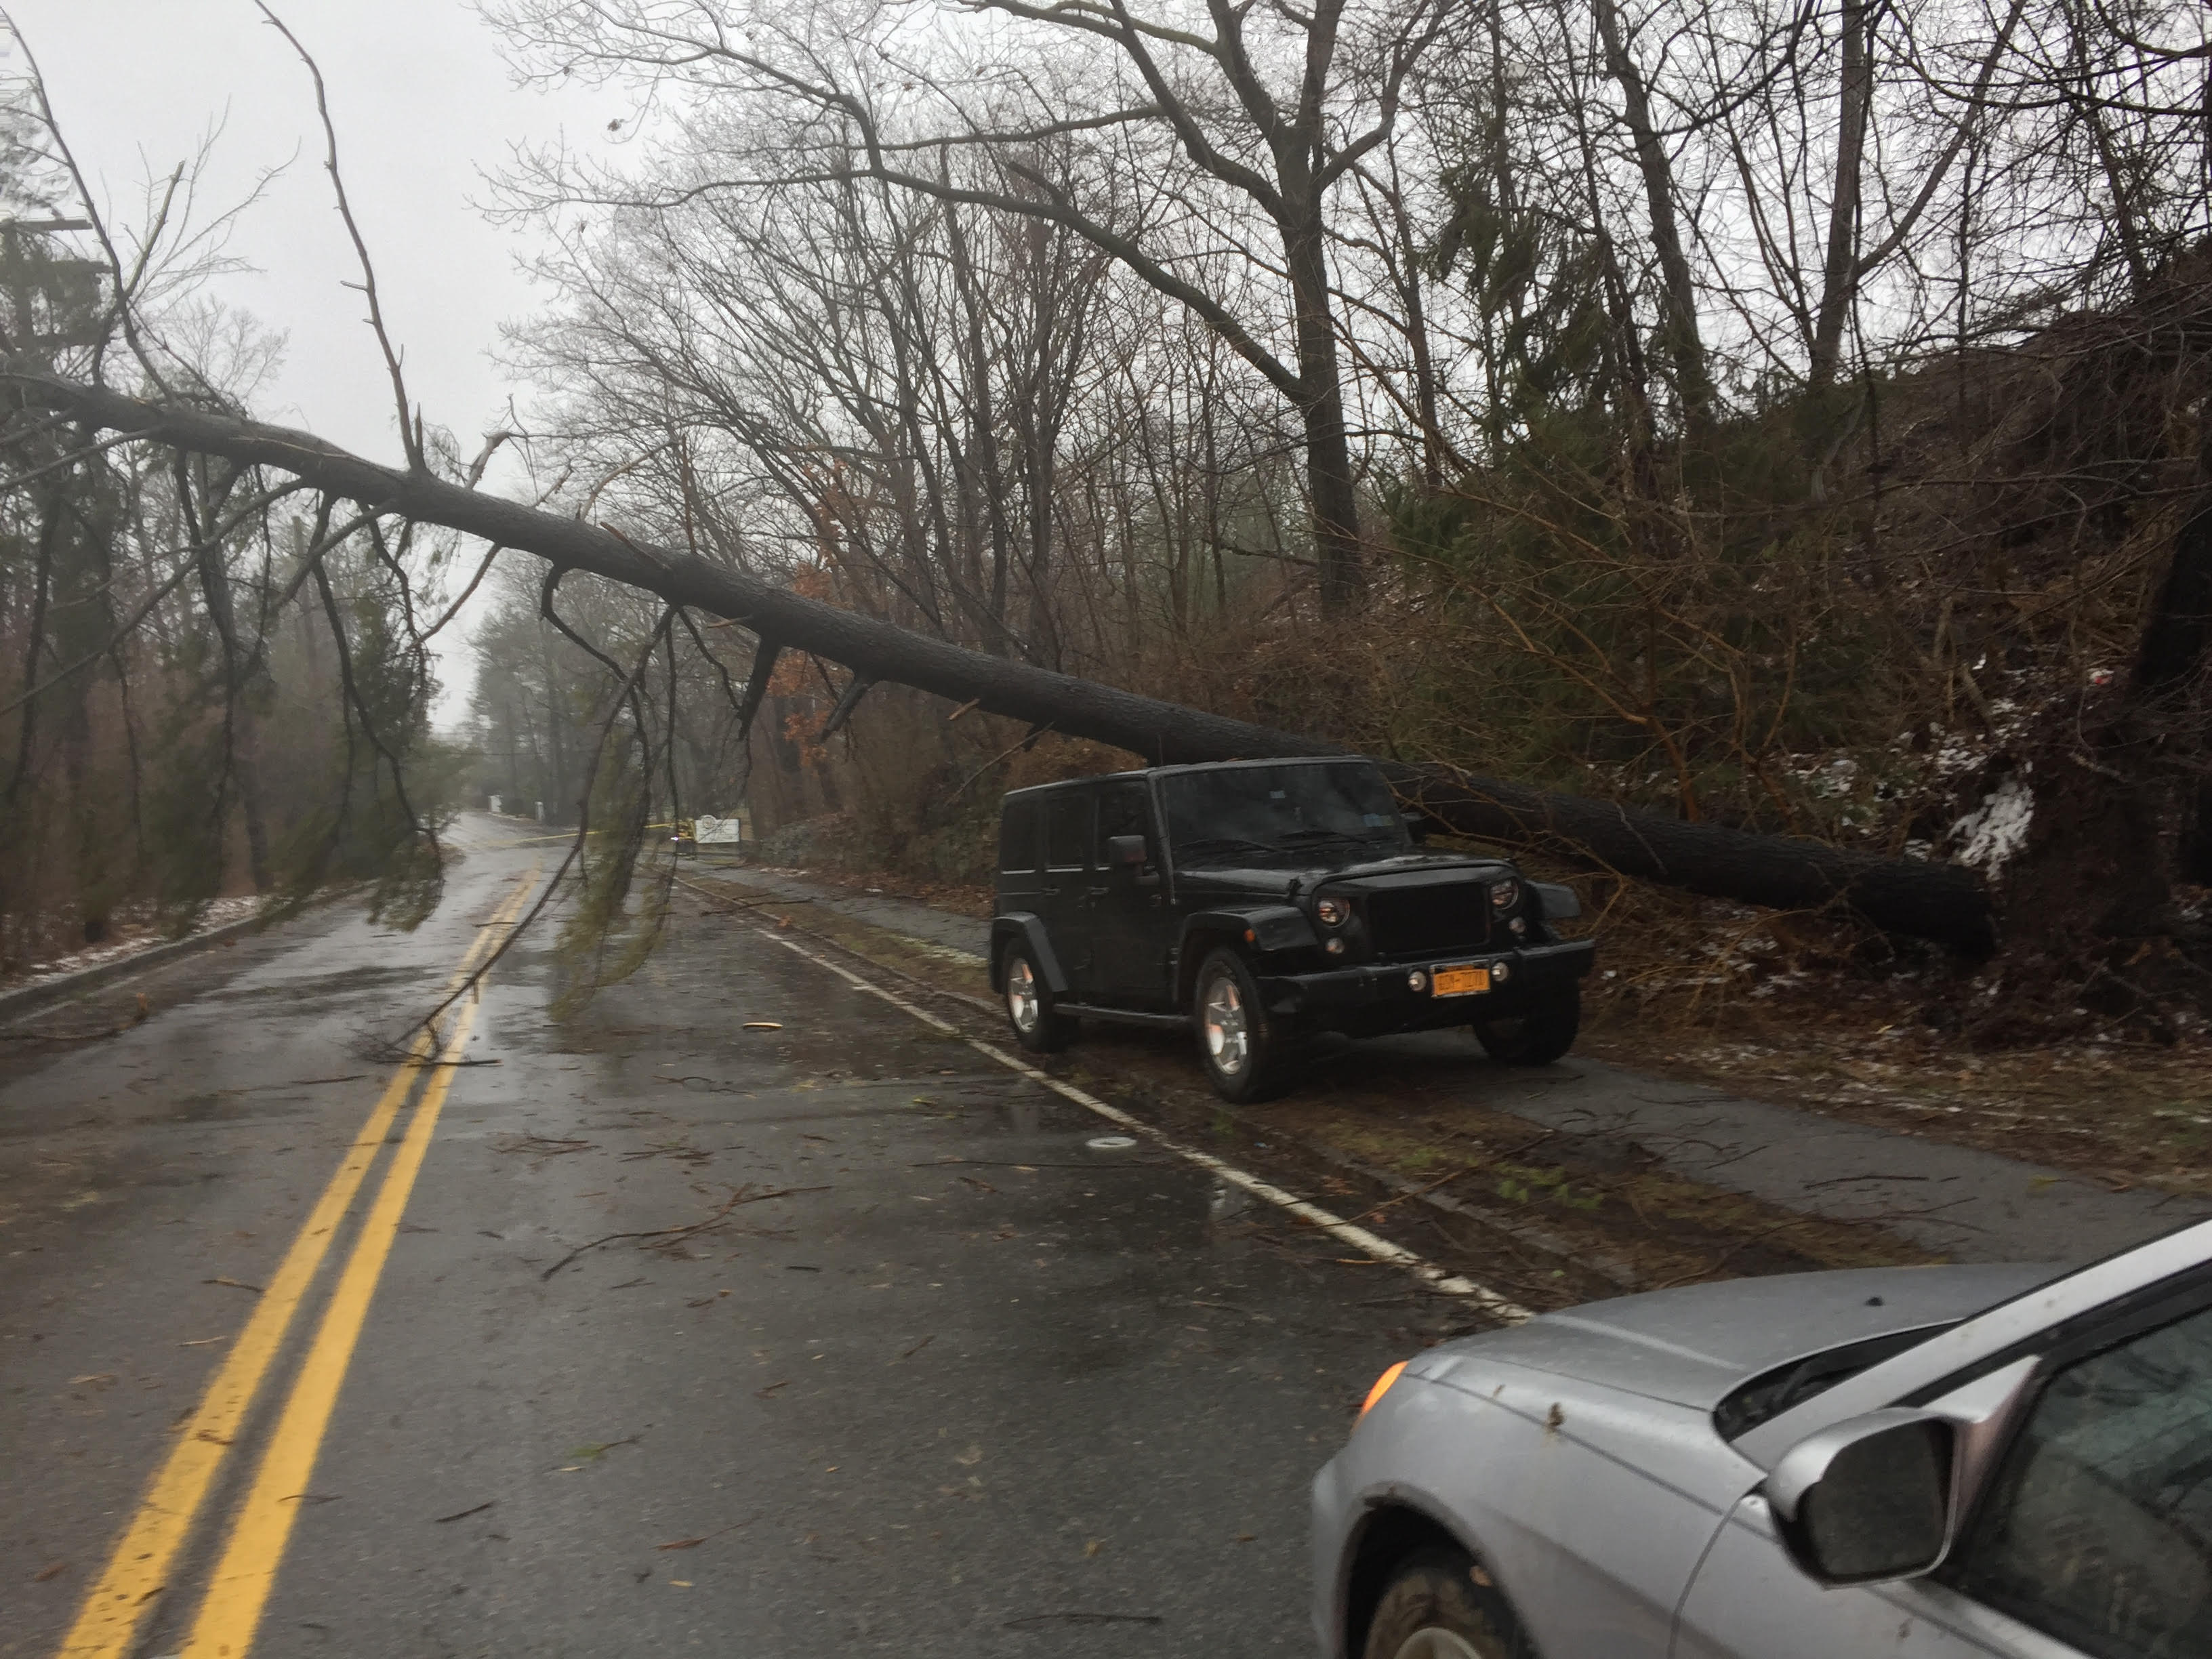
(1943, 903)
(764, 658)
(1160, 732)
(848, 702)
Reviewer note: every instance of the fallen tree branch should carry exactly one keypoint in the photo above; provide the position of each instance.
(738, 1196)
(1947, 904)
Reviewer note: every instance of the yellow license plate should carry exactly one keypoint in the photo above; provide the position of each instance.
(1459, 982)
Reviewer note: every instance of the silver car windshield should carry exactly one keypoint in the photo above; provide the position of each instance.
(1272, 811)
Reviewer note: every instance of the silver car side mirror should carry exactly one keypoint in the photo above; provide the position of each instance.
(1867, 1499)
(1984, 1411)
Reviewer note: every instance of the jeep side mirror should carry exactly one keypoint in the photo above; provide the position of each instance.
(1417, 826)
(1125, 853)
(1867, 1499)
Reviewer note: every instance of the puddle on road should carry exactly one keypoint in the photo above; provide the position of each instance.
(308, 988)
(212, 1106)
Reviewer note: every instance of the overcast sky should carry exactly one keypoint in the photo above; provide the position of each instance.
(424, 107)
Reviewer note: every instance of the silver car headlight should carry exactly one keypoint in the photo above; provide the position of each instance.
(1332, 912)
(1504, 893)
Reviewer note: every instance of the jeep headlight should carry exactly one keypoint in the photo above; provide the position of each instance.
(1504, 893)
(1332, 912)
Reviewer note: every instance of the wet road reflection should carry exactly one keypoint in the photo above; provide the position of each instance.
(831, 1337)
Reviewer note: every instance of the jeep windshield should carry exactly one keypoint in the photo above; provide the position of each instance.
(1297, 810)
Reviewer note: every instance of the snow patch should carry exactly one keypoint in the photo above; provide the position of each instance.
(1993, 833)
(219, 913)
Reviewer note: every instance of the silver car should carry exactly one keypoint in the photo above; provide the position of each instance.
(1929, 1462)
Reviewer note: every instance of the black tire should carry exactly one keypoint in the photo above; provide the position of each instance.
(1537, 1038)
(1436, 1595)
(1037, 1027)
(1242, 1051)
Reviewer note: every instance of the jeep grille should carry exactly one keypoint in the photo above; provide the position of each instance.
(1407, 921)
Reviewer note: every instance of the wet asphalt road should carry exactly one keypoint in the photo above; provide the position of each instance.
(971, 1385)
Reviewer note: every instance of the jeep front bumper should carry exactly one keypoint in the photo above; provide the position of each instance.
(1382, 995)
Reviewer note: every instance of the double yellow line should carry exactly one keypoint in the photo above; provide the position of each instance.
(138, 1571)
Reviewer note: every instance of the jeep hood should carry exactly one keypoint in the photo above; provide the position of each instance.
(1693, 1345)
(1273, 880)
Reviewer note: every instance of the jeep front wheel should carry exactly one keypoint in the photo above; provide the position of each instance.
(1537, 1038)
(1238, 1040)
(1029, 1007)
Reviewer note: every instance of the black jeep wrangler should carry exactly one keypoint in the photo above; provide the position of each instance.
(1254, 902)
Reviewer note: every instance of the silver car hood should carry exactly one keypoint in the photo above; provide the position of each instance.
(1691, 1346)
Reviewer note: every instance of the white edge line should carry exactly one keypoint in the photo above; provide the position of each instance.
(1501, 1308)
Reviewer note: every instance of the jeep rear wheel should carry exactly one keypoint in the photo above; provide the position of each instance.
(1537, 1038)
(1240, 1042)
(1029, 1007)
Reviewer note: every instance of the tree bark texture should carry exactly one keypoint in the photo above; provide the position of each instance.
(1840, 272)
(1942, 903)
(1320, 409)
(1684, 340)
(246, 726)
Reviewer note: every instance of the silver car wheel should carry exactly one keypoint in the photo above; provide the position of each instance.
(1436, 1643)
(1228, 1038)
(1024, 1004)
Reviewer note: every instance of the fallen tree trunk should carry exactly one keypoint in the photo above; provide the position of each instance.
(1942, 903)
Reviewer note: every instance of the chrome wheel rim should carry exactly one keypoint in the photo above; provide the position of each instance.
(1024, 1005)
(1221, 1018)
(1435, 1643)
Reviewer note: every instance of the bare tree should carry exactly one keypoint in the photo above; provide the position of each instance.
(1273, 109)
(1684, 337)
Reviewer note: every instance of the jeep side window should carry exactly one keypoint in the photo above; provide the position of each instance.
(1067, 831)
(1121, 812)
(1018, 838)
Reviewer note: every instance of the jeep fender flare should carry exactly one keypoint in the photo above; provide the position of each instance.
(1558, 901)
(1270, 927)
(1028, 928)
